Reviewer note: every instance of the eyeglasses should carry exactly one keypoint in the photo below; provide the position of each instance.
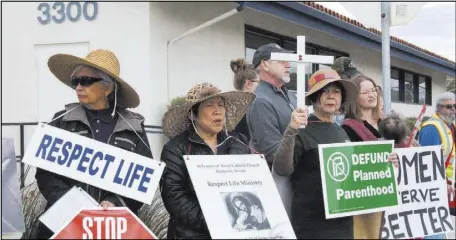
(449, 106)
(84, 81)
(373, 90)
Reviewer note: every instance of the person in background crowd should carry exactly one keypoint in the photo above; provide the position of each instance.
(345, 67)
(100, 114)
(269, 115)
(361, 124)
(440, 130)
(394, 128)
(298, 156)
(203, 125)
(246, 79)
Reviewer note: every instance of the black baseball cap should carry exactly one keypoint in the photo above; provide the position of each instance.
(345, 67)
(263, 53)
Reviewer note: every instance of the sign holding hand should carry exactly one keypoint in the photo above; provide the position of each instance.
(299, 117)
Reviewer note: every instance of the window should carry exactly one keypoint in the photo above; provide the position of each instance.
(421, 89)
(409, 87)
(394, 85)
(450, 84)
(255, 37)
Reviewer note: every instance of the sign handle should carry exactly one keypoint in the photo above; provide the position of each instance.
(417, 125)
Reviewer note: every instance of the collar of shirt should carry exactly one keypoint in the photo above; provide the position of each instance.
(274, 88)
(283, 91)
(314, 118)
(103, 115)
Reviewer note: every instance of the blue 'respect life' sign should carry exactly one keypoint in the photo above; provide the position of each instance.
(95, 163)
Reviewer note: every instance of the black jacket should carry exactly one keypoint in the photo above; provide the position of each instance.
(178, 194)
(307, 207)
(243, 128)
(53, 186)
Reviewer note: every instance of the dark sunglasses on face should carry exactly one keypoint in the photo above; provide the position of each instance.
(84, 81)
(449, 106)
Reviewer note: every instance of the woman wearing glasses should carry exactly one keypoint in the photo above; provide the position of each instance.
(246, 79)
(100, 114)
(361, 124)
(361, 120)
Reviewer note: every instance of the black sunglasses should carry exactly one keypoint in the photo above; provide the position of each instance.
(449, 106)
(84, 81)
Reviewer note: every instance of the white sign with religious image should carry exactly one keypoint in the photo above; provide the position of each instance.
(238, 197)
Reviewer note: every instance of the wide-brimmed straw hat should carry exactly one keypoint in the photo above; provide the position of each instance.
(323, 77)
(175, 120)
(64, 65)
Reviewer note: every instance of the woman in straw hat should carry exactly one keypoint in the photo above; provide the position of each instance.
(100, 114)
(327, 93)
(199, 126)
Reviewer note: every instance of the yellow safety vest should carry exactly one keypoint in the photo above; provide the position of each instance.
(447, 141)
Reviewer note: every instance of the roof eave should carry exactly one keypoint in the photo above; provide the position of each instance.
(307, 16)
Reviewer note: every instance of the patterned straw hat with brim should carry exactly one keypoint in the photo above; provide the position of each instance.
(323, 77)
(175, 120)
(64, 65)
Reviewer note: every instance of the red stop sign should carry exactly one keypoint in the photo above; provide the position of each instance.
(115, 223)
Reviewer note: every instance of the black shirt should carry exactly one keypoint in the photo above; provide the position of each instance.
(354, 137)
(101, 123)
(308, 212)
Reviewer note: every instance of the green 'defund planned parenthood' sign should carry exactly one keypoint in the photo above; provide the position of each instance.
(357, 178)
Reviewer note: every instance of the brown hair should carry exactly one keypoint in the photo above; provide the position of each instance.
(242, 73)
(394, 128)
(353, 111)
(379, 91)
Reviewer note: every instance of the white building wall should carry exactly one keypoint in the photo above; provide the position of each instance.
(120, 27)
(138, 34)
(201, 57)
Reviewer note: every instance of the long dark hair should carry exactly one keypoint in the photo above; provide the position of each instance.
(315, 98)
(111, 97)
(244, 200)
